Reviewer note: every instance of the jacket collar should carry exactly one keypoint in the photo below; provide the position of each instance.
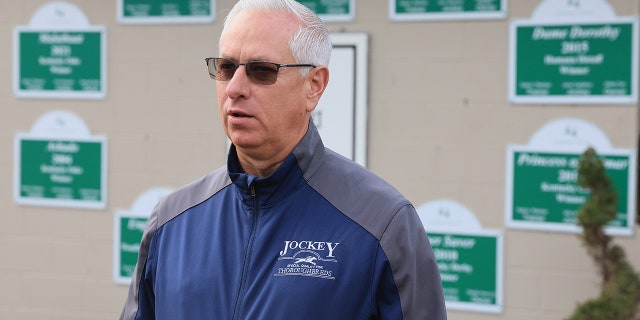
(299, 166)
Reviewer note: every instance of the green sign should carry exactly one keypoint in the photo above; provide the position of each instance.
(61, 172)
(129, 231)
(128, 228)
(166, 11)
(470, 266)
(544, 193)
(331, 10)
(447, 9)
(60, 64)
(574, 63)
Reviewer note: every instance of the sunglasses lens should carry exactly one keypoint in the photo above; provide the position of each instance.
(262, 72)
(222, 69)
(259, 72)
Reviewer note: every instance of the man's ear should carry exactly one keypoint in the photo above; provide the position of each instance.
(318, 78)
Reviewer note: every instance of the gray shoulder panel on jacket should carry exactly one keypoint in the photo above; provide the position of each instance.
(358, 193)
(191, 195)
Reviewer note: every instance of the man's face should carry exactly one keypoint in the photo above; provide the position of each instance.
(262, 120)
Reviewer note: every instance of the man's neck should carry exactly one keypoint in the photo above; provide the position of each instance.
(259, 168)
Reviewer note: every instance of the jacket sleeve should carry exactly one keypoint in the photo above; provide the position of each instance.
(414, 268)
(140, 300)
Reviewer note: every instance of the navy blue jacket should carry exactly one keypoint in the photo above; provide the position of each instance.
(320, 238)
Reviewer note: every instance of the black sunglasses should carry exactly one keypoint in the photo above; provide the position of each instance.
(260, 72)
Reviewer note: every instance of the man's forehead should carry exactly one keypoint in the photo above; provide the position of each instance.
(262, 23)
(259, 35)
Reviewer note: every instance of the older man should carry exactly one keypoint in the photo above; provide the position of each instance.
(287, 229)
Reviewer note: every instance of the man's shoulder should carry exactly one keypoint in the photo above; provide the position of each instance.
(191, 194)
(361, 179)
(358, 193)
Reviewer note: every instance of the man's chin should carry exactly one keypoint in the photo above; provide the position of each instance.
(244, 143)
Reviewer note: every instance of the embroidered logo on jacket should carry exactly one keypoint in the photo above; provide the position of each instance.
(308, 259)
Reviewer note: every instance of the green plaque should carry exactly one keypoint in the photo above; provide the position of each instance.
(447, 9)
(129, 235)
(470, 265)
(166, 11)
(544, 192)
(61, 172)
(128, 228)
(60, 64)
(332, 10)
(574, 63)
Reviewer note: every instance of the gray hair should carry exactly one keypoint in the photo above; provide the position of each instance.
(311, 44)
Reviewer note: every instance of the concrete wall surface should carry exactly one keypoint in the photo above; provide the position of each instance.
(438, 126)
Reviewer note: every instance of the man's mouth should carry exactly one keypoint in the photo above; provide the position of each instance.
(238, 114)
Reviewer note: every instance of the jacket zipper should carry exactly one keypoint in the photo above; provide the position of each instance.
(240, 299)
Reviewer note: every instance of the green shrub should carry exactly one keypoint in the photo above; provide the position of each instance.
(620, 291)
